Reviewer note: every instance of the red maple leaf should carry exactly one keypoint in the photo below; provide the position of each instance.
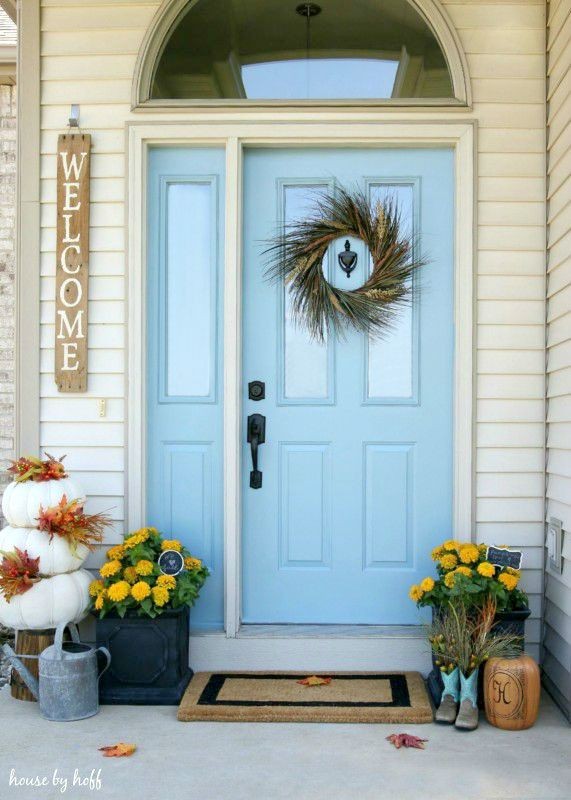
(406, 740)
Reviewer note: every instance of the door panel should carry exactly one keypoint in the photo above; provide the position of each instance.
(357, 463)
(184, 359)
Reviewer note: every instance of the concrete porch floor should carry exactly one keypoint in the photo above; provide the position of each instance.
(214, 761)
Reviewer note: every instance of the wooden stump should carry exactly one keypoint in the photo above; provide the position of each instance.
(31, 643)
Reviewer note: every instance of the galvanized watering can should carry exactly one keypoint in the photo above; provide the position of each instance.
(68, 688)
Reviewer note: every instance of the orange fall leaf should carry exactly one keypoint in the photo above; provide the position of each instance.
(315, 680)
(118, 750)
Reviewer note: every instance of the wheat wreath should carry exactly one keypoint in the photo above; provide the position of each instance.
(296, 253)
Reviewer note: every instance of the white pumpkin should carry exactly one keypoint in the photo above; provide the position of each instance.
(56, 556)
(63, 598)
(21, 501)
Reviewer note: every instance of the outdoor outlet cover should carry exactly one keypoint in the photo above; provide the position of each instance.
(554, 537)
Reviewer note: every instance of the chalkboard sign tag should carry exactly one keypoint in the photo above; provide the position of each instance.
(171, 562)
(502, 557)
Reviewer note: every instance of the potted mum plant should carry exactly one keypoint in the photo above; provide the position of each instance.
(142, 616)
(465, 575)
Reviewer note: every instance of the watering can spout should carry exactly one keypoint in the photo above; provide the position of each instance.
(31, 682)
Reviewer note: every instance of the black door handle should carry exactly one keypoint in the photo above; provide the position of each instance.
(256, 437)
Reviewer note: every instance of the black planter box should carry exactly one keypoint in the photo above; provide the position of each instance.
(505, 622)
(149, 658)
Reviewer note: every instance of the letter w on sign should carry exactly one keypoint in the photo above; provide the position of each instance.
(72, 262)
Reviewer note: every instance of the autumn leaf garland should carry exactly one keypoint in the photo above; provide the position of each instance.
(31, 468)
(18, 573)
(68, 520)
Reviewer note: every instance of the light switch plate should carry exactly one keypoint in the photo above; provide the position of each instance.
(553, 543)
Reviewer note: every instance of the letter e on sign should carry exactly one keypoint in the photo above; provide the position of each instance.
(72, 261)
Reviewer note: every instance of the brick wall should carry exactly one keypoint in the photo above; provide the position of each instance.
(7, 271)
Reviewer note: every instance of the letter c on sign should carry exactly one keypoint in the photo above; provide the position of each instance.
(63, 291)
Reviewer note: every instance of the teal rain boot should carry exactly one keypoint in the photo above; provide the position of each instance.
(448, 708)
(467, 719)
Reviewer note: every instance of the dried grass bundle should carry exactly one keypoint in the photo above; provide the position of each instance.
(466, 640)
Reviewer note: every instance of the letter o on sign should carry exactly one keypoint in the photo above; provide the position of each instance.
(64, 290)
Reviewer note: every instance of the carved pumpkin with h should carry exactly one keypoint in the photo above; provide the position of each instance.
(511, 692)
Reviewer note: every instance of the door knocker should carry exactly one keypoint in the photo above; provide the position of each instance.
(347, 259)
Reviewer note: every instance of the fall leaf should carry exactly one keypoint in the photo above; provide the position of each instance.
(406, 740)
(69, 521)
(30, 468)
(315, 680)
(118, 750)
(18, 573)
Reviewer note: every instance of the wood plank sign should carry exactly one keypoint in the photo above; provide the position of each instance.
(72, 261)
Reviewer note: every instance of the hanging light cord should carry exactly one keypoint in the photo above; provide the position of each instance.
(308, 10)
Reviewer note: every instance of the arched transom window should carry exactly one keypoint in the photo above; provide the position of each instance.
(283, 50)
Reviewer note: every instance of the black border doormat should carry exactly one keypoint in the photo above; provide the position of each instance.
(279, 697)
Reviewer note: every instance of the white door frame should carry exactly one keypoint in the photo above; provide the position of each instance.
(361, 129)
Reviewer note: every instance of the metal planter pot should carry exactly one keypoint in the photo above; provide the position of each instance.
(149, 658)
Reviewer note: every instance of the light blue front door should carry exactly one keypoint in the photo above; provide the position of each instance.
(357, 462)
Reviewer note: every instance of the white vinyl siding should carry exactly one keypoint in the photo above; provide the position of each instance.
(505, 45)
(557, 633)
(88, 55)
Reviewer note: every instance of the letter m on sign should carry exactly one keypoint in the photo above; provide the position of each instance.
(72, 262)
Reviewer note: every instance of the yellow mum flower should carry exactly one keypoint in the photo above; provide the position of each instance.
(427, 585)
(171, 544)
(483, 548)
(144, 567)
(166, 581)
(468, 553)
(160, 595)
(415, 593)
(448, 561)
(192, 563)
(130, 574)
(118, 591)
(515, 572)
(140, 591)
(450, 544)
(509, 581)
(486, 569)
(116, 552)
(110, 568)
(437, 553)
(138, 537)
(449, 579)
(132, 541)
(464, 571)
(99, 602)
(96, 588)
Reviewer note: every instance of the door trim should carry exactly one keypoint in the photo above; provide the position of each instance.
(364, 130)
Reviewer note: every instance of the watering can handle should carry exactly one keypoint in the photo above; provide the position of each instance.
(58, 638)
(107, 655)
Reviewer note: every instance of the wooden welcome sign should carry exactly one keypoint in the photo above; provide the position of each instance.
(72, 262)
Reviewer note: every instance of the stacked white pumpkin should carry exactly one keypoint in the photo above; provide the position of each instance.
(62, 593)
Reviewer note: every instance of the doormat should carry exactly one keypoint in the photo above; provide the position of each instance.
(280, 697)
